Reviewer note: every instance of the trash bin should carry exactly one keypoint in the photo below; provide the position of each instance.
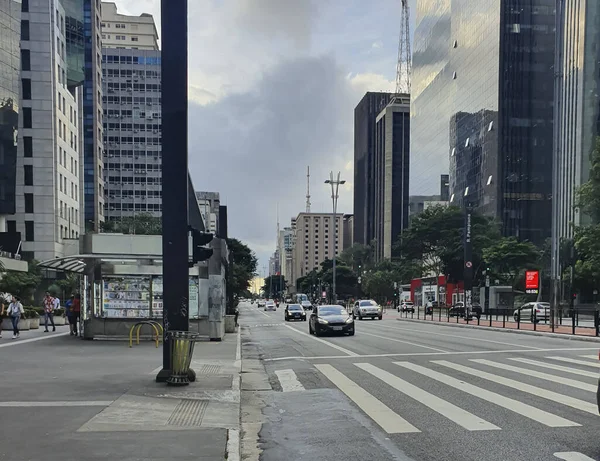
(182, 349)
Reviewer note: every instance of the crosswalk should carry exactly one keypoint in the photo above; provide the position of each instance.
(538, 389)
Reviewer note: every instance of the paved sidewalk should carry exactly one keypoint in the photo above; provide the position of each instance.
(70, 399)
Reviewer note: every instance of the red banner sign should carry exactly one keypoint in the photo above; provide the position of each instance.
(532, 280)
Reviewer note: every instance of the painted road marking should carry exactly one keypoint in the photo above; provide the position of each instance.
(543, 417)
(551, 366)
(335, 346)
(539, 374)
(66, 403)
(289, 381)
(576, 362)
(16, 342)
(390, 421)
(593, 357)
(573, 456)
(405, 342)
(461, 417)
(523, 387)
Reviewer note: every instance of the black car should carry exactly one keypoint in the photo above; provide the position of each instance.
(294, 312)
(330, 319)
(458, 310)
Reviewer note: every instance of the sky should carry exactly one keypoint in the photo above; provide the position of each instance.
(272, 89)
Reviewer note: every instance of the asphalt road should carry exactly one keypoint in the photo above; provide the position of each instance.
(402, 391)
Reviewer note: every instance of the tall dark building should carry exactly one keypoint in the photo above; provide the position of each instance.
(482, 103)
(365, 117)
(10, 58)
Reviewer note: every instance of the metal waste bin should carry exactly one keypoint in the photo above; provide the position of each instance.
(182, 349)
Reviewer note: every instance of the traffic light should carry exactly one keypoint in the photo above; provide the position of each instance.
(199, 251)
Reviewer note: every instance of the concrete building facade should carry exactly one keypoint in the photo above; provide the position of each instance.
(123, 31)
(209, 203)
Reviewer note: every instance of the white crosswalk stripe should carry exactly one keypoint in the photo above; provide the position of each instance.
(593, 357)
(392, 420)
(543, 417)
(552, 366)
(461, 417)
(576, 362)
(538, 374)
(573, 456)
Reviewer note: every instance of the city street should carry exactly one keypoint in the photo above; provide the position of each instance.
(405, 391)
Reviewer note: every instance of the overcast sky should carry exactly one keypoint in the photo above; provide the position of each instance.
(272, 86)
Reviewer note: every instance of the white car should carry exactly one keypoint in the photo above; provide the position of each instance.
(270, 306)
(406, 306)
(367, 308)
(532, 312)
(261, 303)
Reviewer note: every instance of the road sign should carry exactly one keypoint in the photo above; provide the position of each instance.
(532, 281)
(469, 264)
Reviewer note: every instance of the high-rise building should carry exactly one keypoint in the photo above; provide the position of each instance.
(579, 114)
(209, 203)
(390, 181)
(285, 246)
(365, 117)
(482, 108)
(132, 115)
(10, 58)
(123, 31)
(348, 230)
(316, 239)
(49, 164)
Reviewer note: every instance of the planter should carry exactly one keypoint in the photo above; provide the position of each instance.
(59, 320)
(24, 324)
(230, 324)
(6, 324)
(34, 324)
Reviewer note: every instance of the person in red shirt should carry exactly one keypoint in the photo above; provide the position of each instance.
(75, 314)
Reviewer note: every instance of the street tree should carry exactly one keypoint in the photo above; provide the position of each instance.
(245, 264)
(357, 256)
(22, 284)
(508, 258)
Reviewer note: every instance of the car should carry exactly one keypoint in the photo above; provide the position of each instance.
(260, 303)
(306, 305)
(294, 312)
(270, 306)
(458, 310)
(406, 306)
(330, 319)
(533, 312)
(367, 308)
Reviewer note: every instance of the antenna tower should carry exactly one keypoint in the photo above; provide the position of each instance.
(404, 66)
(308, 189)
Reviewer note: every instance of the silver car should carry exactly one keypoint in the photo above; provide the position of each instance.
(367, 308)
(270, 306)
(532, 312)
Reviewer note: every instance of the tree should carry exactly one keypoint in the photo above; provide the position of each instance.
(509, 257)
(244, 267)
(358, 255)
(140, 224)
(588, 195)
(274, 286)
(379, 285)
(346, 281)
(22, 284)
(68, 286)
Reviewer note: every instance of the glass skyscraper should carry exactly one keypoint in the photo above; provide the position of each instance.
(482, 108)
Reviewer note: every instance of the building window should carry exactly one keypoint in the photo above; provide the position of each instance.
(11, 227)
(27, 146)
(28, 173)
(29, 234)
(25, 29)
(27, 119)
(26, 88)
(28, 203)
(60, 182)
(25, 6)
(134, 39)
(25, 60)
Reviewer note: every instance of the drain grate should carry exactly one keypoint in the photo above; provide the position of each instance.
(188, 413)
(210, 369)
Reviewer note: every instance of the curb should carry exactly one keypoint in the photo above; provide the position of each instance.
(570, 337)
(234, 441)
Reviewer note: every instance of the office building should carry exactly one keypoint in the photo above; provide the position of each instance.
(274, 265)
(316, 239)
(348, 230)
(579, 106)
(365, 118)
(482, 109)
(49, 178)
(209, 203)
(389, 215)
(132, 117)
(122, 31)
(285, 245)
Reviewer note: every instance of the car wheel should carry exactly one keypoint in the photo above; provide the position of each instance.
(359, 317)
(380, 317)
(351, 333)
(317, 332)
(305, 319)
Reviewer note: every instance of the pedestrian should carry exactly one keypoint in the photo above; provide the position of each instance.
(15, 311)
(75, 314)
(49, 311)
(68, 312)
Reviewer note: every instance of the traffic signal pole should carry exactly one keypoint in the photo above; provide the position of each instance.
(175, 174)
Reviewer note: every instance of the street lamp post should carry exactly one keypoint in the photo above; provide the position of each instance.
(335, 185)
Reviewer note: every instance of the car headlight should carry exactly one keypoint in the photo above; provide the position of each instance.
(350, 320)
(322, 320)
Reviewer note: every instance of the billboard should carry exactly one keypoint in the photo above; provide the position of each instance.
(532, 282)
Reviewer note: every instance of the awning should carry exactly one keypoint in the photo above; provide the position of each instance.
(77, 263)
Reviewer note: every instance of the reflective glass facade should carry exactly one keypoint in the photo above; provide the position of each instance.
(10, 51)
(75, 43)
(482, 108)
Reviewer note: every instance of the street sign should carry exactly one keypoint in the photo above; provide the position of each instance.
(469, 264)
(532, 282)
(395, 284)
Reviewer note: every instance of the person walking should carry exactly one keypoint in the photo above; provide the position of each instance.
(68, 305)
(75, 314)
(49, 311)
(15, 311)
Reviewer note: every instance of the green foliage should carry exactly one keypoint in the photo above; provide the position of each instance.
(22, 284)
(244, 267)
(587, 265)
(357, 256)
(68, 286)
(588, 195)
(508, 257)
(140, 224)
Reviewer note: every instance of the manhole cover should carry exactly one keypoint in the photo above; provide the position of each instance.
(210, 369)
(188, 413)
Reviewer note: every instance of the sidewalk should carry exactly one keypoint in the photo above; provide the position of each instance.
(70, 399)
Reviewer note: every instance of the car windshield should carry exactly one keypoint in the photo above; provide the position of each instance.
(331, 310)
(407, 302)
(368, 303)
(295, 307)
(270, 302)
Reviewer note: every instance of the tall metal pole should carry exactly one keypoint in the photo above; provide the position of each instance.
(555, 247)
(335, 186)
(175, 168)
(468, 250)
